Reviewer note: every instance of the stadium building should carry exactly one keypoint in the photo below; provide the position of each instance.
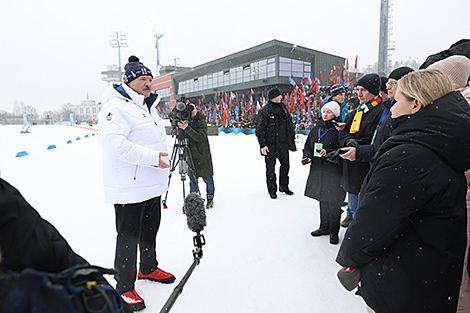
(258, 69)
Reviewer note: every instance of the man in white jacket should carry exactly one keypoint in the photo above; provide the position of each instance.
(135, 175)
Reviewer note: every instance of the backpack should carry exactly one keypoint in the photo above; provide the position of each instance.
(79, 289)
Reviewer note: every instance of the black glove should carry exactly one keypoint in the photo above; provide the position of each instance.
(349, 277)
(333, 157)
(351, 143)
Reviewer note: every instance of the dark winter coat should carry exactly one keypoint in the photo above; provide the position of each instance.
(274, 128)
(409, 232)
(199, 146)
(366, 153)
(354, 172)
(323, 183)
(28, 241)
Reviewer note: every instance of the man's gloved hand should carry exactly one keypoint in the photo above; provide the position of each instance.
(351, 143)
(333, 157)
(349, 277)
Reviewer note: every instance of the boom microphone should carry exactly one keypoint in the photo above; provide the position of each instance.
(195, 212)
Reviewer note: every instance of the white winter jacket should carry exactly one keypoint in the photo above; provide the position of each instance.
(132, 138)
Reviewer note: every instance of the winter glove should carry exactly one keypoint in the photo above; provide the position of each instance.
(333, 157)
(349, 277)
(351, 143)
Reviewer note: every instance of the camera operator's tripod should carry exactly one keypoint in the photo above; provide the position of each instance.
(181, 156)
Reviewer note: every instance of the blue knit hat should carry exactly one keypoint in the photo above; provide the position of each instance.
(135, 69)
(371, 82)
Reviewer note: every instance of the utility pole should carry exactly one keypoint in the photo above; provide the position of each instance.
(118, 40)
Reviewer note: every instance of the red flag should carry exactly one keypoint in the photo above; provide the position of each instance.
(321, 76)
(355, 63)
(332, 77)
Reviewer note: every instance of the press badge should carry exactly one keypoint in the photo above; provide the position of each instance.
(318, 146)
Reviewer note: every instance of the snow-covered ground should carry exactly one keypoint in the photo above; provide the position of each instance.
(259, 255)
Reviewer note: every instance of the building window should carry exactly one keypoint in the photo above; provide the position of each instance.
(261, 69)
(233, 76)
(165, 92)
(294, 68)
(239, 71)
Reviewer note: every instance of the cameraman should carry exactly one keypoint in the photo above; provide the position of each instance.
(198, 142)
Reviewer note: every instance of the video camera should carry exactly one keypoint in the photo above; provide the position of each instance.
(182, 112)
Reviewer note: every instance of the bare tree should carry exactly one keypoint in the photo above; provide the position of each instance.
(65, 110)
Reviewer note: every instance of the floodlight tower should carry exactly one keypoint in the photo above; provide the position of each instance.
(118, 40)
(157, 46)
(384, 38)
(157, 35)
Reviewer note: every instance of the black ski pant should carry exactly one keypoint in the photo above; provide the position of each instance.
(330, 216)
(136, 225)
(270, 159)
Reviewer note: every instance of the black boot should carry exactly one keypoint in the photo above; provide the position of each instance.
(334, 239)
(286, 190)
(320, 232)
(273, 194)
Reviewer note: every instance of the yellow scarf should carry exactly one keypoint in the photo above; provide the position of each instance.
(361, 110)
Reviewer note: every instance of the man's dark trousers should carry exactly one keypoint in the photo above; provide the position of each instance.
(136, 224)
(270, 159)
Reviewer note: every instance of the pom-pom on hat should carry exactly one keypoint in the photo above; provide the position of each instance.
(333, 106)
(273, 93)
(134, 69)
(457, 67)
(371, 82)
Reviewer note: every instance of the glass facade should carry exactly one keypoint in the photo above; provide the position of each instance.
(249, 72)
(165, 92)
(294, 68)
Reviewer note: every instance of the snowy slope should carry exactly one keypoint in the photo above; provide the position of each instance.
(259, 255)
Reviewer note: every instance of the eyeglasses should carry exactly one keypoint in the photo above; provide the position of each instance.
(391, 84)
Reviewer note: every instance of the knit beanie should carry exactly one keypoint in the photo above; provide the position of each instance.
(371, 82)
(134, 69)
(336, 90)
(273, 93)
(333, 106)
(457, 67)
(399, 72)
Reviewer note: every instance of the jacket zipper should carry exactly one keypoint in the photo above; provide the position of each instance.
(135, 174)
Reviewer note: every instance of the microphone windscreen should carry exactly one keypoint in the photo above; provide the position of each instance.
(195, 212)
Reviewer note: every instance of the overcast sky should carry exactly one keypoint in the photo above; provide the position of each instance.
(53, 52)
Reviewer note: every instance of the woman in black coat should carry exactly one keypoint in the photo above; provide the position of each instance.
(409, 234)
(323, 183)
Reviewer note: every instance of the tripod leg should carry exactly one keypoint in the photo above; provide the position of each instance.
(174, 164)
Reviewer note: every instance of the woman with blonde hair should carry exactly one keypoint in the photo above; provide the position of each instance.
(409, 235)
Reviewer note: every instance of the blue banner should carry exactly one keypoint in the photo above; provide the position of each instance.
(292, 81)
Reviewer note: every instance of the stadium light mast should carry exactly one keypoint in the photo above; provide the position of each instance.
(157, 47)
(118, 40)
(385, 46)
